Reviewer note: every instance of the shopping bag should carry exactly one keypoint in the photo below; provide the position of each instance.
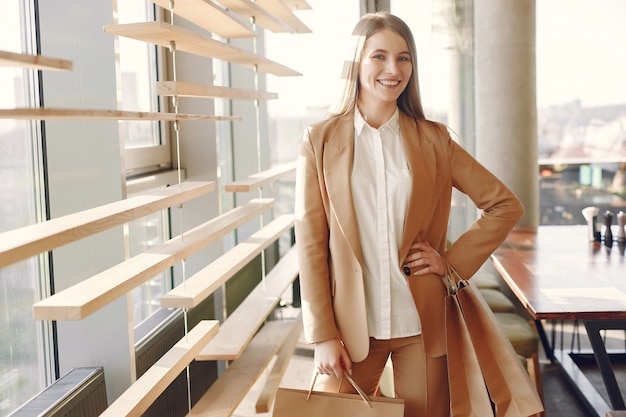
(291, 402)
(508, 383)
(468, 393)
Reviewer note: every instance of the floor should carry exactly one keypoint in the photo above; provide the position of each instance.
(560, 399)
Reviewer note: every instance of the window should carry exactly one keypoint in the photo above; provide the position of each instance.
(145, 144)
(24, 344)
(138, 69)
(581, 108)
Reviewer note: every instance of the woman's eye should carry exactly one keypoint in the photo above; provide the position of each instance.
(404, 58)
(378, 56)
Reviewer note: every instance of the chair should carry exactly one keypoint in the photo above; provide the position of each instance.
(484, 279)
(497, 301)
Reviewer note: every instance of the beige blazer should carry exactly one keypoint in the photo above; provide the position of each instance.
(327, 239)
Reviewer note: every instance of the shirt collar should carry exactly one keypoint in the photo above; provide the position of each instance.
(359, 122)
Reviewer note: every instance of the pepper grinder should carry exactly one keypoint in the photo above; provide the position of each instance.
(591, 216)
(608, 234)
(621, 228)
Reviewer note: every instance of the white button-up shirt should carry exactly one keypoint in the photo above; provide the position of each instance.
(381, 186)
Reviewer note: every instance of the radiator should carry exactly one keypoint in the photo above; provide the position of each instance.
(80, 393)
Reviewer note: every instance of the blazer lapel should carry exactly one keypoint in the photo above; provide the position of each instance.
(420, 156)
(338, 154)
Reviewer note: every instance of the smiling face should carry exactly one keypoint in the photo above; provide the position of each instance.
(384, 71)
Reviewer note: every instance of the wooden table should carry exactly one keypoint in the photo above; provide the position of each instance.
(557, 274)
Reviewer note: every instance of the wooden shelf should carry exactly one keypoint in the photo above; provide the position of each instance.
(88, 296)
(198, 287)
(183, 89)
(84, 114)
(18, 244)
(283, 356)
(143, 392)
(12, 59)
(161, 33)
(258, 180)
(209, 17)
(278, 9)
(231, 387)
(250, 10)
(249, 316)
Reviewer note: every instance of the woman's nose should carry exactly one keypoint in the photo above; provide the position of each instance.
(391, 66)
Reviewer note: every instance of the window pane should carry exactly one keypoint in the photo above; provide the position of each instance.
(305, 99)
(144, 234)
(581, 108)
(138, 77)
(22, 372)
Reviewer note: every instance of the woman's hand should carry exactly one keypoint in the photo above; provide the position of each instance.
(331, 358)
(423, 259)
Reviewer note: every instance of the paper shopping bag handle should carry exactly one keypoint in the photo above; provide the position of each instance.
(349, 378)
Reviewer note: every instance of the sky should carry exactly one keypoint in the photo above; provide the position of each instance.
(581, 53)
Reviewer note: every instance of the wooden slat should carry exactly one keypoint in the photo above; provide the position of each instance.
(209, 17)
(259, 179)
(250, 10)
(162, 33)
(232, 386)
(88, 296)
(96, 114)
(238, 328)
(184, 89)
(143, 392)
(28, 241)
(202, 284)
(266, 398)
(12, 59)
(278, 9)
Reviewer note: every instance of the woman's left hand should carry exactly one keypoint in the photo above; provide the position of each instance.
(423, 259)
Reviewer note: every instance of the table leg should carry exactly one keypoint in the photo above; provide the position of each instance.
(547, 347)
(602, 358)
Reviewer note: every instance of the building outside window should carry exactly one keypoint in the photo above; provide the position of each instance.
(581, 108)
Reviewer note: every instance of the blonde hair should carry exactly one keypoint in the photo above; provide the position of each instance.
(409, 101)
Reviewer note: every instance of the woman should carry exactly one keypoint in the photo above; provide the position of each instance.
(373, 191)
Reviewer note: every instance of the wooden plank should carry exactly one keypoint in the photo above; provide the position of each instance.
(278, 9)
(162, 33)
(266, 398)
(250, 10)
(202, 284)
(258, 180)
(240, 326)
(184, 89)
(38, 62)
(97, 114)
(18, 244)
(225, 395)
(143, 392)
(88, 296)
(209, 17)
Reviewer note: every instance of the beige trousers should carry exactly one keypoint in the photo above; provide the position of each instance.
(421, 381)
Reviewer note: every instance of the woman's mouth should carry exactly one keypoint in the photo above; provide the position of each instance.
(389, 83)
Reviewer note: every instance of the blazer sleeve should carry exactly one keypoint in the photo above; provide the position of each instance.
(312, 242)
(500, 211)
